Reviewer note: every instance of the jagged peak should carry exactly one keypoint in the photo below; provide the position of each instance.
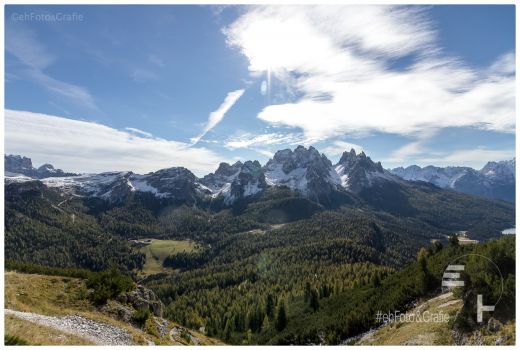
(46, 166)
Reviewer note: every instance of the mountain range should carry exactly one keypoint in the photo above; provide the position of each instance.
(494, 180)
(259, 234)
(16, 165)
(304, 171)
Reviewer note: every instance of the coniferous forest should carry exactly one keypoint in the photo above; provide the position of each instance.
(303, 274)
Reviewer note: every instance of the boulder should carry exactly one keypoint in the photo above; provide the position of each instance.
(494, 325)
(142, 298)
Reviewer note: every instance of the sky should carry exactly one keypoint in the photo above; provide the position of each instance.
(100, 88)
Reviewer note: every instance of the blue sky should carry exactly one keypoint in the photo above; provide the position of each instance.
(147, 87)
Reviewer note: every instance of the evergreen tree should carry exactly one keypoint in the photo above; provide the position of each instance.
(265, 324)
(453, 241)
(281, 317)
(422, 256)
(314, 302)
(270, 306)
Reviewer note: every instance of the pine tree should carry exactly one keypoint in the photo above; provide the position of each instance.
(422, 255)
(227, 331)
(307, 292)
(265, 324)
(281, 317)
(270, 306)
(314, 302)
(453, 241)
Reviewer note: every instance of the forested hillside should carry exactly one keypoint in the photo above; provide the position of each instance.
(45, 228)
(273, 268)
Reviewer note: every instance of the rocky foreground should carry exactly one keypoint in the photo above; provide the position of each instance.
(97, 332)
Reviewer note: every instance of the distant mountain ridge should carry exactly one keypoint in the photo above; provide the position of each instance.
(495, 180)
(303, 170)
(16, 164)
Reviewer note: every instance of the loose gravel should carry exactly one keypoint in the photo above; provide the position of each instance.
(97, 332)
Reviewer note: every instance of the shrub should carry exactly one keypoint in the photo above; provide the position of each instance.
(141, 316)
(14, 340)
(151, 328)
(108, 285)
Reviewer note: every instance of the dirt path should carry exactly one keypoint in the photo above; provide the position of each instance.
(97, 332)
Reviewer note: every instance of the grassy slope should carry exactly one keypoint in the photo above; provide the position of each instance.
(59, 296)
(432, 333)
(158, 250)
(353, 311)
(35, 334)
(418, 333)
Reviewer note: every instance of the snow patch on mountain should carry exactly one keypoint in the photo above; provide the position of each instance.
(494, 180)
(295, 179)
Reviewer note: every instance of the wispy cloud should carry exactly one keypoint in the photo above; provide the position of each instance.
(246, 140)
(23, 44)
(338, 147)
(141, 75)
(407, 152)
(340, 59)
(139, 132)
(217, 116)
(70, 91)
(84, 146)
(156, 60)
(415, 149)
(474, 157)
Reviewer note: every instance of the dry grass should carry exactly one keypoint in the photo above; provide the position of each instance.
(35, 334)
(47, 295)
(418, 333)
(61, 296)
(56, 296)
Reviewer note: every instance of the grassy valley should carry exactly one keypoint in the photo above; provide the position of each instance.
(157, 250)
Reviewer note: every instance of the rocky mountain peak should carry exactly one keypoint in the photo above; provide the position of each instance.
(347, 157)
(17, 164)
(300, 158)
(350, 160)
(22, 165)
(494, 180)
(303, 170)
(235, 181)
(224, 169)
(504, 168)
(358, 171)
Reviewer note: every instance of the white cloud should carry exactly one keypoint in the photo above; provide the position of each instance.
(217, 116)
(246, 140)
(22, 44)
(413, 149)
(338, 147)
(83, 146)
(139, 132)
(264, 152)
(339, 60)
(407, 151)
(475, 157)
(504, 65)
(69, 91)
